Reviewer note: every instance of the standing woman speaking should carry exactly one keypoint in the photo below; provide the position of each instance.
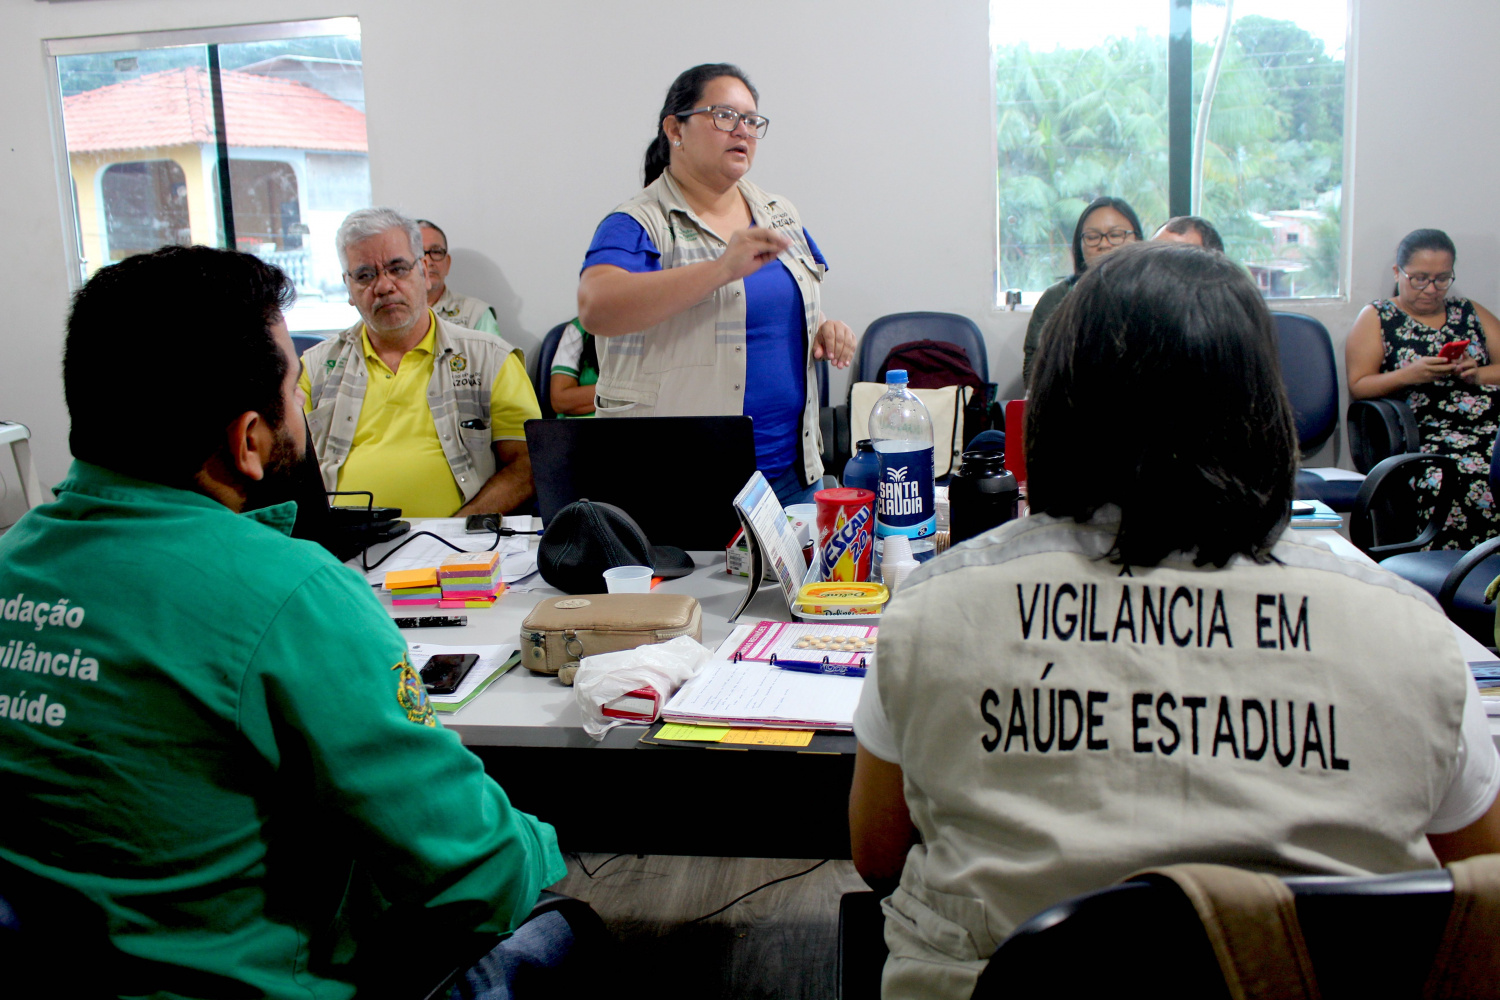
(704, 290)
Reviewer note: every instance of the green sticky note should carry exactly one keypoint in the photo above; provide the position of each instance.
(699, 734)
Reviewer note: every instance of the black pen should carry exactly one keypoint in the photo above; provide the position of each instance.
(432, 621)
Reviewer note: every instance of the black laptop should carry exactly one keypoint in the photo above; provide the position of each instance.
(676, 476)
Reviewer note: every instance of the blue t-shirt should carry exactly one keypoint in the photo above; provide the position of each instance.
(775, 373)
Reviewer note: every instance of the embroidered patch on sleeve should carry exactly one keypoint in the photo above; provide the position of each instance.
(413, 696)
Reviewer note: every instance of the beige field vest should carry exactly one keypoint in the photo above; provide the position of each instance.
(465, 364)
(1062, 723)
(694, 363)
(463, 310)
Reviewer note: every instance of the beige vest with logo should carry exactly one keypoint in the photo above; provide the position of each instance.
(465, 364)
(1062, 723)
(462, 310)
(694, 363)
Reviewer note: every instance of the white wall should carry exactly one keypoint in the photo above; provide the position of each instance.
(519, 125)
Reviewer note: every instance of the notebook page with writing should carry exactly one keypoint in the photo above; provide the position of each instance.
(758, 694)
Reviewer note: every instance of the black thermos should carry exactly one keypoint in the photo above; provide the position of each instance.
(981, 494)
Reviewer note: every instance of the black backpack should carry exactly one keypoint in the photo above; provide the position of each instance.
(933, 364)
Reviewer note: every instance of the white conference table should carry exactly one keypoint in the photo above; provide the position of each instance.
(527, 728)
(655, 799)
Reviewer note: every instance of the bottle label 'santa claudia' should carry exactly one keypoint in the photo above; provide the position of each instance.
(904, 505)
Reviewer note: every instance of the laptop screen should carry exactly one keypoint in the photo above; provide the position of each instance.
(676, 476)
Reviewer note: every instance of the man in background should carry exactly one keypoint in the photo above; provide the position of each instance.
(210, 731)
(465, 310)
(426, 415)
(1192, 229)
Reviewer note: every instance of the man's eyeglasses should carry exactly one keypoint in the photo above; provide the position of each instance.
(727, 119)
(1114, 237)
(366, 276)
(1421, 281)
(436, 254)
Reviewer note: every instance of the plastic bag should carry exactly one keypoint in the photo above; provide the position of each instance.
(603, 677)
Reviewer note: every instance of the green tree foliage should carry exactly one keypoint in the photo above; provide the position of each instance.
(1073, 124)
(89, 72)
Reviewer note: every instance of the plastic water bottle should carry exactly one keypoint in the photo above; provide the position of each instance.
(901, 429)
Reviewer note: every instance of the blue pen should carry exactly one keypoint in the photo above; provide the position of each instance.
(821, 667)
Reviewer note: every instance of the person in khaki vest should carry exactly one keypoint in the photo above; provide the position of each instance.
(426, 415)
(451, 305)
(704, 290)
(1151, 668)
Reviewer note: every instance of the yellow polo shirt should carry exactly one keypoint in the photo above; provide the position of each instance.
(396, 453)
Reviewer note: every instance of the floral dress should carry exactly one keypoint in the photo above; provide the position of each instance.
(1455, 417)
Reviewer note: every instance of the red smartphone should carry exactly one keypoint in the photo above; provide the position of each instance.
(1453, 350)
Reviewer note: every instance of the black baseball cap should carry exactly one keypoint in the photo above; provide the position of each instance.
(586, 538)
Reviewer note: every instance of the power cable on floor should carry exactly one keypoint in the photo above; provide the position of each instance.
(597, 868)
(784, 878)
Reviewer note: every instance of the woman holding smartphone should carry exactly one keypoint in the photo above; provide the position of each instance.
(1436, 354)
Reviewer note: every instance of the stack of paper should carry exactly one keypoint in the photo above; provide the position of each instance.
(470, 580)
(414, 586)
(1323, 516)
(757, 694)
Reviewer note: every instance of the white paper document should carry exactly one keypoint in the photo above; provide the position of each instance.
(517, 555)
(1329, 474)
(491, 659)
(758, 694)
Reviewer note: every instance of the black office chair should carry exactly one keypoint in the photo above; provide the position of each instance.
(302, 341)
(901, 328)
(861, 946)
(1457, 578)
(542, 379)
(54, 942)
(46, 932)
(1366, 936)
(1312, 384)
(1378, 429)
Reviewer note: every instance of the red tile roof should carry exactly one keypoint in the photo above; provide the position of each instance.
(174, 108)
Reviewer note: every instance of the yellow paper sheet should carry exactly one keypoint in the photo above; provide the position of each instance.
(770, 737)
(699, 734)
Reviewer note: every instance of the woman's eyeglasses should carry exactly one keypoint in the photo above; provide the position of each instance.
(1421, 281)
(1092, 238)
(727, 119)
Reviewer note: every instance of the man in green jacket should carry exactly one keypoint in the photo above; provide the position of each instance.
(207, 728)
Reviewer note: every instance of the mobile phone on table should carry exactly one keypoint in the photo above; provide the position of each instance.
(486, 524)
(443, 673)
(1453, 350)
(1303, 508)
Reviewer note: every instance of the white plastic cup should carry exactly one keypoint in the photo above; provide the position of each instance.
(628, 580)
(897, 562)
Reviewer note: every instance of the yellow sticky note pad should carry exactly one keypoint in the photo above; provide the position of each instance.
(698, 734)
(400, 579)
(770, 737)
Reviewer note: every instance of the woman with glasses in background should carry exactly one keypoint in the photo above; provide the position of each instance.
(1396, 349)
(703, 290)
(1106, 224)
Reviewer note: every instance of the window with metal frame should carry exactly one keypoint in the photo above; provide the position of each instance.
(1232, 110)
(249, 137)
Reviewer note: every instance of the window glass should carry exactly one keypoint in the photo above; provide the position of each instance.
(1081, 110)
(143, 157)
(145, 206)
(1273, 159)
